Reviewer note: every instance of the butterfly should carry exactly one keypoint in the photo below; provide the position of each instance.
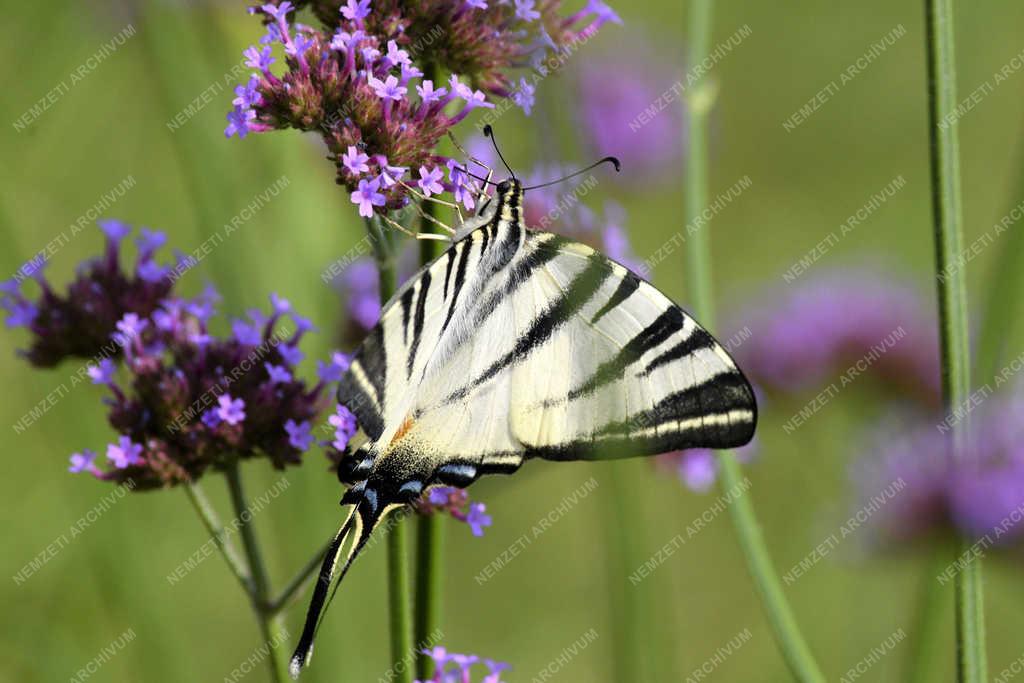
(514, 345)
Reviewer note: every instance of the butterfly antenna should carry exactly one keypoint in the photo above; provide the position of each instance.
(607, 160)
(489, 132)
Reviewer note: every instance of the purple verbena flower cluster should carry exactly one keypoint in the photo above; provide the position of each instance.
(456, 503)
(80, 323)
(181, 399)
(451, 667)
(352, 81)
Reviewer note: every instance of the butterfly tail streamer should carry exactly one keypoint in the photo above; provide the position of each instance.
(360, 522)
(304, 649)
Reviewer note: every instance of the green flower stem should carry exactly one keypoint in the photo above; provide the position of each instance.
(630, 607)
(429, 579)
(399, 597)
(947, 216)
(211, 521)
(794, 647)
(271, 625)
(699, 286)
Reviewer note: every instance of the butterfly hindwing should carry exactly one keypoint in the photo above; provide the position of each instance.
(634, 375)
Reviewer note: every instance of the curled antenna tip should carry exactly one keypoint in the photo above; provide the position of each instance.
(615, 162)
(488, 131)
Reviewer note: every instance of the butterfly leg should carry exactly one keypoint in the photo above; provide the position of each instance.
(416, 193)
(442, 202)
(417, 235)
(433, 220)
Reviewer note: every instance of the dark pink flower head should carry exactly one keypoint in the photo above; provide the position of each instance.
(831, 326)
(180, 398)
(80, 323)
(358, 80)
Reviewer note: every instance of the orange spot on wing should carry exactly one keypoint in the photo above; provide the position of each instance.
(404, 429)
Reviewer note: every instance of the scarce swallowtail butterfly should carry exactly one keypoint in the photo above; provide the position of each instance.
(516, 344)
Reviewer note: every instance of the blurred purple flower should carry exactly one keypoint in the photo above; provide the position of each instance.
(102, 301)
(344, 423)
(615, 89)
(925, 492)
(102, 372)
(278, 374)
(124, 453)
(230, 410)
(333, 371)
(697, 468)
(299, 435)
(84, 462)
(452, 667)
(813, 332)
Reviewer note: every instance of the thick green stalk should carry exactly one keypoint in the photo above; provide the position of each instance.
(399, 597)
(271, 625)
(630, 615)
(429, 580)
(787, 633)
(699, 287)
(400, 612)
(952, 298)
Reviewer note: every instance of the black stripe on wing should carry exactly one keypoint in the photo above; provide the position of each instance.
(663, 327)
(466, 245)
(698, 340)
(719, 414)
(417, 327)
(575, 297)
(406, 302)
(520, 274)
(361, 389)
(450, 256)
(629, 284)
(723, 395)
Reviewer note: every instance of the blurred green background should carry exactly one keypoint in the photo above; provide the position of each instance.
(190, 181)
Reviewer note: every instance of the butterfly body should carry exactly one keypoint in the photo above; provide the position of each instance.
(516, 344)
